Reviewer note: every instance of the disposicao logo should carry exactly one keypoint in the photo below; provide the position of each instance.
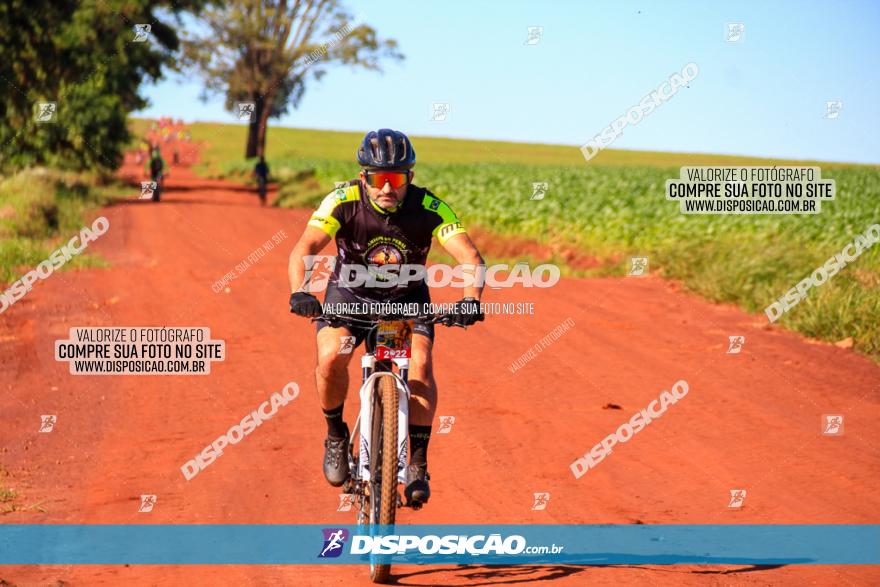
(334, 540)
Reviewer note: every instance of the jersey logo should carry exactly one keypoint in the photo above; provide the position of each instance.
(385, 250)
(340, 195)
(434, 204)
(384, 254)
(449, 228)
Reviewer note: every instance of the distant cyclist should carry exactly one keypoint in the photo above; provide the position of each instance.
(261, 172)
(379, 218)
(157, 170)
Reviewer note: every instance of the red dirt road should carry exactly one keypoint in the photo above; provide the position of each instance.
(750, 421)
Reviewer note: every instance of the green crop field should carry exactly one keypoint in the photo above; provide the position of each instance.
(614, 207)
(226, 144)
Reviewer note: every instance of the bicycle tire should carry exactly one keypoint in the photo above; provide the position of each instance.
(387, 436)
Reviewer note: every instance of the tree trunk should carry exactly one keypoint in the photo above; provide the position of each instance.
(263, 126)
(253, 143)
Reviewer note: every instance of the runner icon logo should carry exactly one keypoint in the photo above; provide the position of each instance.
(141, 32)
(736, 344)
(346, 345)
(147, 503)
(334, 540)
(539, 190)
(46, 111)
(47, 423)
(535, 33)
(319, 269)
(446, 423)
(246, 111)
(737, 497)
(832, 109)
(541, 501)
(639, 265)
(735, 32)
(439, 111)
(346, 502)
(832, 425)
(147, 189)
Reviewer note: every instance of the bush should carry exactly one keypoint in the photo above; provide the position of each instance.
(40, 208)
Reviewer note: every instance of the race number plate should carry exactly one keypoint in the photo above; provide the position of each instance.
(394, 340)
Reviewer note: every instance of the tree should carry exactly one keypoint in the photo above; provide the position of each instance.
(82, 56)
(264, 52)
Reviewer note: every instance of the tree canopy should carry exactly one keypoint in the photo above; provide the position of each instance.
(265, 52)
(83, 57)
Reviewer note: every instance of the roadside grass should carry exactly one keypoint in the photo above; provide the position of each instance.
(9, 497)
(42, 208)
(614, 208)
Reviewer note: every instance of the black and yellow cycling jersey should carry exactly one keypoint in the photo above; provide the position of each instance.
(368, 235)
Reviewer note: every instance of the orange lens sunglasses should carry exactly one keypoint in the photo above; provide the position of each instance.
(377, 179)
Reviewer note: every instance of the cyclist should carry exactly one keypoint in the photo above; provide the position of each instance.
(379, 217)
(261, 171)
(157, 168)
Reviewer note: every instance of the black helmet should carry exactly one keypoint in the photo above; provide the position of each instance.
(386, 149)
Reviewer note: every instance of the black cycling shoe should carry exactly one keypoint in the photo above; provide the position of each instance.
(417, 488)
(336, 460)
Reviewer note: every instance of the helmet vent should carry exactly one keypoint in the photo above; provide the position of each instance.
(386, 149)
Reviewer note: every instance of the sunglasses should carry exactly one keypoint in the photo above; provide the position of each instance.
(377, 179)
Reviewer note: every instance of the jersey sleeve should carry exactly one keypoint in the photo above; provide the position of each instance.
(328, 217)
(447, 223)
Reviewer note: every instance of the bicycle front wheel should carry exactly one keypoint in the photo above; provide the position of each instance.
(383, 465)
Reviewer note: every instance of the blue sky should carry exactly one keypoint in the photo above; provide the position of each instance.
(763, 96)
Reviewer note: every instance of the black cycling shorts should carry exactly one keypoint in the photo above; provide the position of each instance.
(340, 295)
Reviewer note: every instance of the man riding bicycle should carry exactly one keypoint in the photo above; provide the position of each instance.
(261, 172)
(156, 166)
(379, 218)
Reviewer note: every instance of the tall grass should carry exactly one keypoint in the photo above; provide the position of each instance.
(40, 208)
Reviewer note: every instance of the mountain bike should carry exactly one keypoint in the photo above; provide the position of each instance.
(378, 464)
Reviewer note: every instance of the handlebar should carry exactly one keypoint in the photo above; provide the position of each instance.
(442, 319)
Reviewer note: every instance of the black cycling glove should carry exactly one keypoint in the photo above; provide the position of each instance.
(467, 312)
(304, 304)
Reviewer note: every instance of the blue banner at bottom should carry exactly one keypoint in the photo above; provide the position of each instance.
(502, 544)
